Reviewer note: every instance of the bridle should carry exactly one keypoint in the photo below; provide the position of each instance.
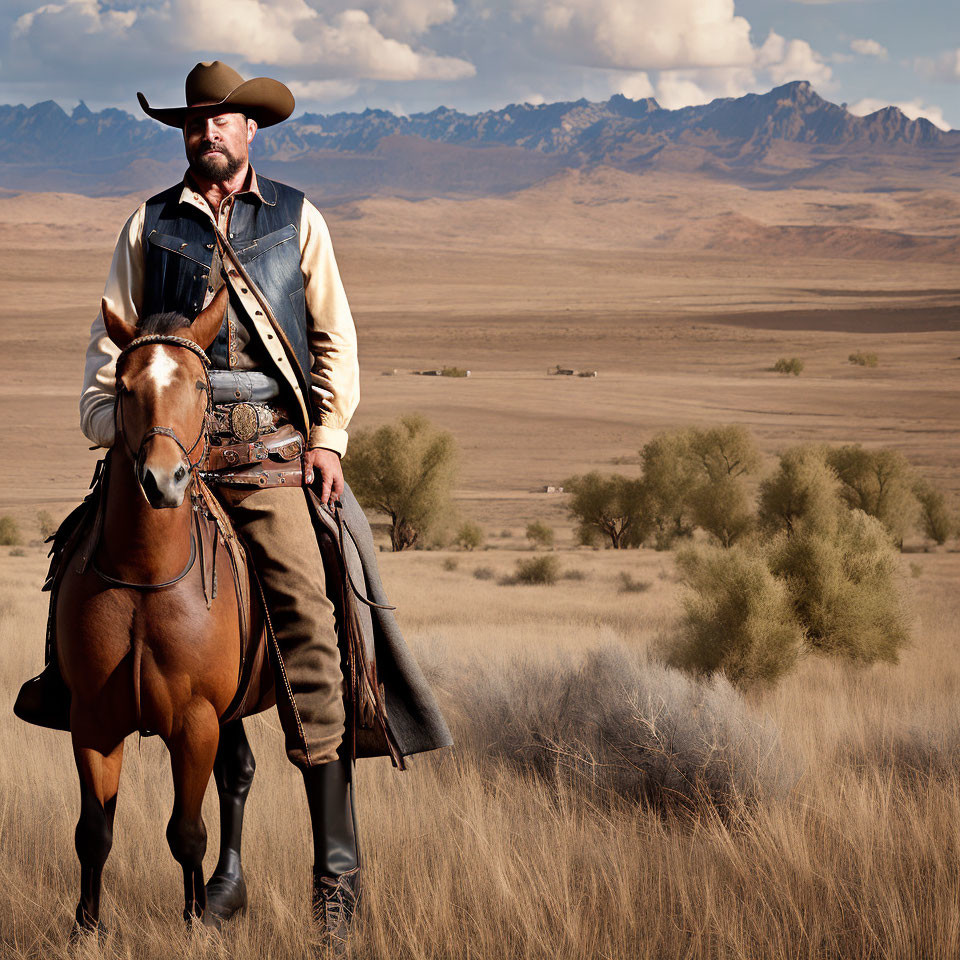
(161, 431)
(171, 341)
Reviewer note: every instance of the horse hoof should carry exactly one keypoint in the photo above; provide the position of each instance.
(226, 897)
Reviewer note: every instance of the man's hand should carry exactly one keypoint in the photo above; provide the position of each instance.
(326, 464)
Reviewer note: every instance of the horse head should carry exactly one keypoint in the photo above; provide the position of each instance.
(163, 396)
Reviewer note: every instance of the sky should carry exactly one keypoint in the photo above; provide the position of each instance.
(414, 55)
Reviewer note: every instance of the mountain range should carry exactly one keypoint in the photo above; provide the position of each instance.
(789, 136)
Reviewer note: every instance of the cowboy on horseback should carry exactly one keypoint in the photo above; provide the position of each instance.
(251, 259)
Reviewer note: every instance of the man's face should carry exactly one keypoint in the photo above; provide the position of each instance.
(217, 146)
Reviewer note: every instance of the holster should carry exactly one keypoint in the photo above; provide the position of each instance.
(272, 460)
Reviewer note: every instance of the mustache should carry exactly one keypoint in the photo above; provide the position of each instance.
(208, 145)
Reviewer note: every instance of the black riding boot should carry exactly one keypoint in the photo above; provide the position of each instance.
(45, 700)
(336, 858)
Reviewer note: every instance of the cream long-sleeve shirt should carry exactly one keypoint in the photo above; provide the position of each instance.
(331, 336)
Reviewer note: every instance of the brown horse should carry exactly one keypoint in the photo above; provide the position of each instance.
(144, 644)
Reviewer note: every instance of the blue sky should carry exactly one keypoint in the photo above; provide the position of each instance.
(409, 55)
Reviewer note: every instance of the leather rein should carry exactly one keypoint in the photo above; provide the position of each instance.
(161, 431)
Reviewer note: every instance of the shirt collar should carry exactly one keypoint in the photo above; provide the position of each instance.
(192, 195)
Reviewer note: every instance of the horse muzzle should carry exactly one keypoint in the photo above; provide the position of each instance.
(163, 486)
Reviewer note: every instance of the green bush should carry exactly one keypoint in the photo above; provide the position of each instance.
(738, 617)
(543, 570)
(539, 534)
(793, 365)
(842, 583)
(469, 536)
(863, 359)
(722, 508)
(9, 532)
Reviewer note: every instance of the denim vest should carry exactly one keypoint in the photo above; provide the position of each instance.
(178, 244)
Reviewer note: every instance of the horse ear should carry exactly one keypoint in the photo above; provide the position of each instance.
(205, 328)
(118, 330)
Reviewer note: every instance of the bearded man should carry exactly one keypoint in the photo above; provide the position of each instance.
(168, 259)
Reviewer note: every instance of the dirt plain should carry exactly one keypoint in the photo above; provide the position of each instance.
(681, 293)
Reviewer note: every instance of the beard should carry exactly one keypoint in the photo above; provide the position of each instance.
(217, 166)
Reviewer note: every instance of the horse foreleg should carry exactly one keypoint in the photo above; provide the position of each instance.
(192, 752)
(99, 780)
(233, 771)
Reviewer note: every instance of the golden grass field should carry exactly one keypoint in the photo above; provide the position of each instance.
(465, 856)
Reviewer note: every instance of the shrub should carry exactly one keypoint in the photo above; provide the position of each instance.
(539, 534)
(450, 563)
(880, 483)
(18, 552)
(483, 573)
(9, 532)
(613, 505)
(469, 536)
(629, 585)
(48, 526)
(936, 521)
(542, 570)
(406, 470)
(454, 372)
(722, 508)
(841, 581)
(615, 726)
(738, 617)
(863, 359)
(916, 570)
(573, 574)
(793, 365)
(506, 533)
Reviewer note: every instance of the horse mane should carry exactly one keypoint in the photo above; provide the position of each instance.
(161, 323)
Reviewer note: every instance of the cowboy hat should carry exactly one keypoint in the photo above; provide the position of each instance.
(214, 84)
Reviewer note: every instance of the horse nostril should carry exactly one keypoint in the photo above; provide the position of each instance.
(180, 474)
(150, 488)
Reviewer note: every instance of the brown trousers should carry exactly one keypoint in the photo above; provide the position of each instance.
(276, 525)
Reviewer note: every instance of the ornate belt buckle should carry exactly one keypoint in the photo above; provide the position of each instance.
(244, 422)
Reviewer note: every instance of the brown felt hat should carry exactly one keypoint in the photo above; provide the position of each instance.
(214, 84)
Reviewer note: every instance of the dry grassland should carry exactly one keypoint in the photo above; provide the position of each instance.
(854, 855)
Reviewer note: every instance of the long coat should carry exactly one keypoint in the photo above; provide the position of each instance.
(412, 712)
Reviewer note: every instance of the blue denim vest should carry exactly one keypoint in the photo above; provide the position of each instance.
(178, 244)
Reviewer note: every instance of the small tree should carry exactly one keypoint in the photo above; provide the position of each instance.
(48, 526)
(805, 488)
(469, 536)
(722, 508)
(539, 534)
(670, 476)
(880, 483)
(725, 451)
(406, 470)
(936, 520)
(613, 505)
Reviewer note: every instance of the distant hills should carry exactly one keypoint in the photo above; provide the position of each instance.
(789, 136)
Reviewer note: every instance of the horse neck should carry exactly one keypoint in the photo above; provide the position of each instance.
(139, 541)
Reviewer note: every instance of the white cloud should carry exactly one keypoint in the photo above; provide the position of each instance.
(311, 44)
(323, 91)
(869, 48)
(687, 88)
(944, 67)
(913, 109)
(641, 34)
(786, 60)
(636, 86)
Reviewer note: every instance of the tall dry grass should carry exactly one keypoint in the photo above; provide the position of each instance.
(473, 853)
